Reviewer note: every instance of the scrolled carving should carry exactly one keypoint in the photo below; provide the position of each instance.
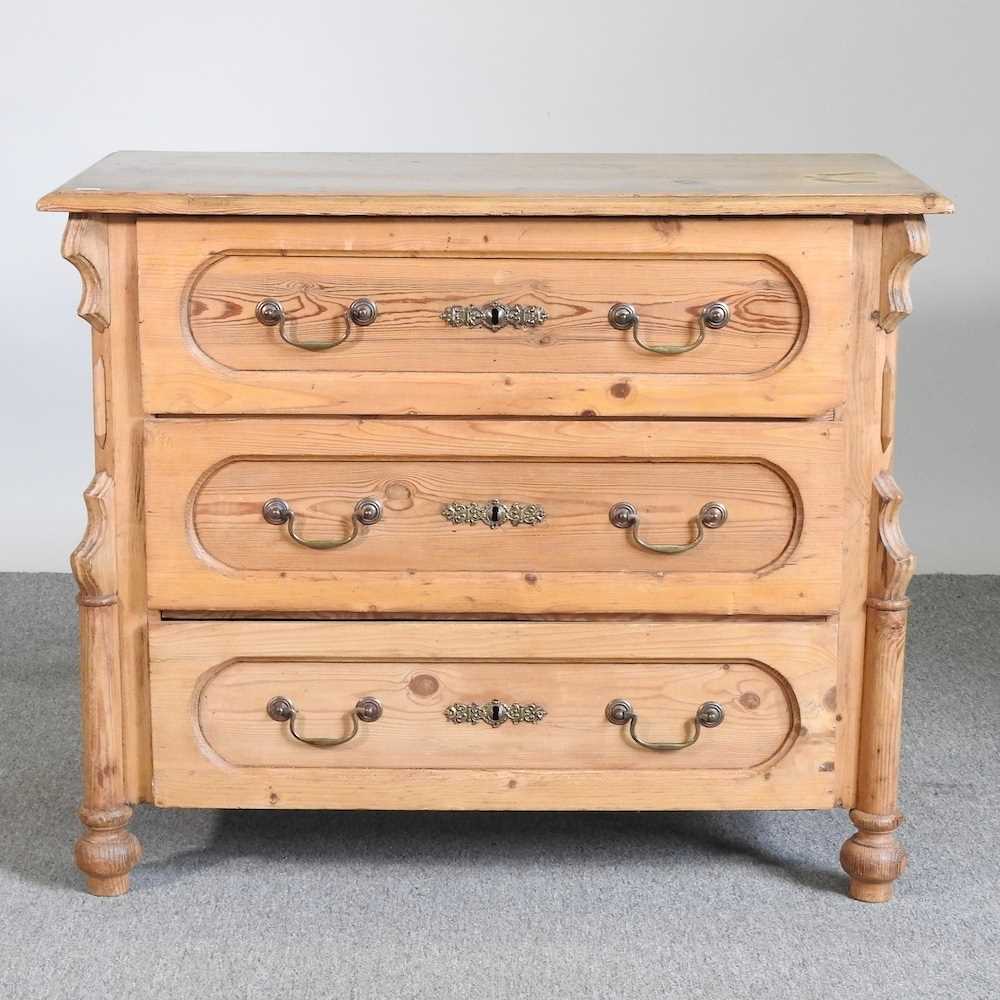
(85, 246)
(897, 561)
(904, 243)
(93, 560)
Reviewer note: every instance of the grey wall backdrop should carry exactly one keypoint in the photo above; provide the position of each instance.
(917, 81)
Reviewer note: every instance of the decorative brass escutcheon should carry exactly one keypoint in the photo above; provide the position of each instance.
(494, 713)
(493, 514)
(495, 316)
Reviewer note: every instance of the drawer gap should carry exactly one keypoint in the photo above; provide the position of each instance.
(403, 616)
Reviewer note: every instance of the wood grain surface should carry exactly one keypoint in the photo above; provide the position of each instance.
(410, 335)
(207, 480)
(574, 734)
(159, 183)
(215, 745)
(787, 280)
(576, 534)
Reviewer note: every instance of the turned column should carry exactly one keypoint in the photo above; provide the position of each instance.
(873, 858)
(107, 851)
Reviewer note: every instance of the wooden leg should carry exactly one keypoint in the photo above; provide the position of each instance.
(873, 858)
(106, 852)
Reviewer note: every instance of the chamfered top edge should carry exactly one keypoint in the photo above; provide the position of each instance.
(423, 184)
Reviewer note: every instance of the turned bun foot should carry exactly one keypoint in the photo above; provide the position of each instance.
(873, 858)
(107, 851)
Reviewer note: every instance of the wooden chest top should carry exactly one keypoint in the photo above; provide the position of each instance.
(157, 183)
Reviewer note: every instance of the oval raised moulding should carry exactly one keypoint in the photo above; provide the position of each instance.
(416, 532)
(761, 714)
(767, 324)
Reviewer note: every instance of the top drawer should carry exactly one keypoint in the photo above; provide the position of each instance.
(227, 307)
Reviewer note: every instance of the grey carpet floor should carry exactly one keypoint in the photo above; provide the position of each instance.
(409, 905)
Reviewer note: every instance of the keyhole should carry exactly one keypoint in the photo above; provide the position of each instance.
(495, 513)
(495, 316)
(498, 713)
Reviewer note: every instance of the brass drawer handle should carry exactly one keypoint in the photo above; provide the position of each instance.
(709, 715)
(277, 511)
(714, 316)
(282, 709)
(711, 515)
(361, 312)
(495, 316)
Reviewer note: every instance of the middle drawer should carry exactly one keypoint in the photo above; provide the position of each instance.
(493, 517)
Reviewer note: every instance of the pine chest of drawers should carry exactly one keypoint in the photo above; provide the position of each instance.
(474, 482)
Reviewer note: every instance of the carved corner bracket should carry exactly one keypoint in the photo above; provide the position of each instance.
(904, 243)
(85, 246)
(896, 561)
(93, 560)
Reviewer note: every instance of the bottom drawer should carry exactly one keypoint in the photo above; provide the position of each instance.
(482, 715)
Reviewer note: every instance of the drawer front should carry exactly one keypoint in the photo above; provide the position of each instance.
(540, 693)
(494, 517)
(494, 316)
